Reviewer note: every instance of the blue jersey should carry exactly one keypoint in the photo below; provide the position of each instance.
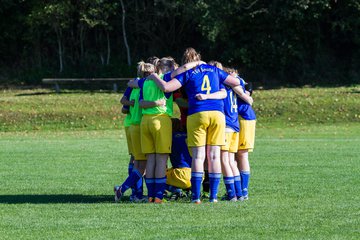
(180, 156)
(127, 94)
(230, 110)
(203, 79)
(244, 109)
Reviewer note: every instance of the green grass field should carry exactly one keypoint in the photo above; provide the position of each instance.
(57, 172)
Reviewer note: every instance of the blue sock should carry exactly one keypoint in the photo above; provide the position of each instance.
(196, 179)
(139, 188)
(172, 189)
(130, 168)
(237, 184)
(131, 180)
(150, 184)
(160, 185)
(214, 179)
(230, 187)
(245, 176)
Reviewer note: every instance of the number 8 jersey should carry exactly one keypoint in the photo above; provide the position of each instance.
(203, 79)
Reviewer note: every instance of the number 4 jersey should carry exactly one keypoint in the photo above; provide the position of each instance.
(203, 79)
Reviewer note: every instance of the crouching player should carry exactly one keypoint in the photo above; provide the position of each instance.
(179, 175)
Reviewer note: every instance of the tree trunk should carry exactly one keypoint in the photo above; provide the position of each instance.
(82, 36)
(124, 33)
(60, 50)
(108, 47)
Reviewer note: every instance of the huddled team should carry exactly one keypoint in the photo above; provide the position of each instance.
(214, 135)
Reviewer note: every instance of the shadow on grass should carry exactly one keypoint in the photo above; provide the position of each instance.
(64, 93)
(46, 93)
(58, 198)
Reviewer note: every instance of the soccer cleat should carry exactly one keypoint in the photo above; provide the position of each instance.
(139, 200)
(196, 201)
(158, 200)
(243, 198)
(118, 193)
(175, 196)
(234, 199)
(150, 199)
(214, 200)
(226, 198)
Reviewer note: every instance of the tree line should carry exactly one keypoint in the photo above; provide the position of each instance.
(276, 42)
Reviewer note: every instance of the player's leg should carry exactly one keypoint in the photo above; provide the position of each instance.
(236, 173)
(214, 140)
(206, 183)
(150, 175)
(246, 145)
(242, 158)
(141, 167)
(228, 176)
(197, 125)
(162, 134)
(135, 175)
(227, 171)
(132, 159)
(214, 165)
(197, 171)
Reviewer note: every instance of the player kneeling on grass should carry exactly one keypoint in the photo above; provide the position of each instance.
(179, 175)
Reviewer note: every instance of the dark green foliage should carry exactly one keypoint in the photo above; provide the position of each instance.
(270, 42)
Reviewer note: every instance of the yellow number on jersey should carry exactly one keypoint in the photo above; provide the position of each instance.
(205, 86)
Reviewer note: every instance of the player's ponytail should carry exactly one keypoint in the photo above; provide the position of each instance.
(144, 69)
(165, 65)
(190, 55)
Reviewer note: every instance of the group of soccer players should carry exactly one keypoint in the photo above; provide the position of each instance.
(217, 126)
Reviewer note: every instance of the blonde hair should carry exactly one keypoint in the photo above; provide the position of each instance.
(216, 64)
(145, 69)
(231, 71)
(165, 64)
(190, 55)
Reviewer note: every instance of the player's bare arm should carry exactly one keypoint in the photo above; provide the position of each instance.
(186, 67)
(150, 104)
(133, 83)
(170, 86)
(216, 95)
(232, 81)
(240, 92)
(126, 102)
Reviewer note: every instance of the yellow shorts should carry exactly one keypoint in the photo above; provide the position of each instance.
(156, 134)
(206, 128)
(136, 142)
(231, 142)
(128, 139)
(246, 134)
(179, 177)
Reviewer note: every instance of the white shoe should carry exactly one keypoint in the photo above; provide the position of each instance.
(118, 193)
